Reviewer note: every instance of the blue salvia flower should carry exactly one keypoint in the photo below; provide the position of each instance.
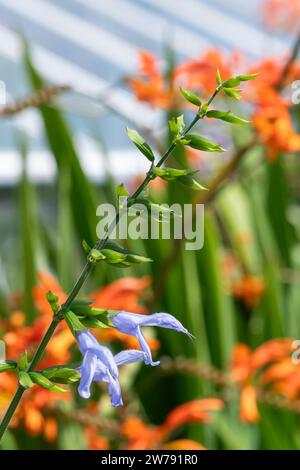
(131, 323)
(100, 365)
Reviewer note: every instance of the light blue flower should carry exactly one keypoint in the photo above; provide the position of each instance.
(100, 365)
(131, 323)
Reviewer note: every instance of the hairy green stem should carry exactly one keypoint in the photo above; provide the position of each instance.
(88, 269)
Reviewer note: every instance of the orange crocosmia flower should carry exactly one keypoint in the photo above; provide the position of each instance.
(141, 436)
(183, 444)
(33, 420)
(248, 404)
(148, 64)
(247, 365)
(122, 294)
(50, 429)
(273, 350)
(200, 74)
(196, 411)
(151, 90)
(281, 13)
(249, 289)
(274, 127)
(94, 441)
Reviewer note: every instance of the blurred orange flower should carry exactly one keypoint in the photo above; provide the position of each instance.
(281, 13)
(151, 86)
(249, 289)
(266, 364)
(142, 436)
(94, 440)
(275, 130)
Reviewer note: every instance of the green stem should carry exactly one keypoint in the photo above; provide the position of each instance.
(85, 273)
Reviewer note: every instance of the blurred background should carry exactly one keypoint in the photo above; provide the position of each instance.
(102, 66)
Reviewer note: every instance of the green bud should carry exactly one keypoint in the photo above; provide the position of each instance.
(61, 374)
(73, 322)
(218, 77)
(232, 82)
(95, 256)
(177, 124)
(91, 322)
(122, 191)
(39, 379)
(53, 301)
(171, 174)
(233, 93)
(23, 362)
(25, 380)
(245, 78)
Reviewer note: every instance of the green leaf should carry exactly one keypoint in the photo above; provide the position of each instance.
(177, 124)
(171, 174)
(191, 183)
(73, 322)
(25, 380)
(140, 143)
(226, 116)
(201, 143)
(218, 77)
(191, 97)
(23, 362)
(39, 379)
(7, 365)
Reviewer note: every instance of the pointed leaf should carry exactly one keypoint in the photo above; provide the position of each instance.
(140, 143)
(226, 116)
(191, 97)
(201, 143)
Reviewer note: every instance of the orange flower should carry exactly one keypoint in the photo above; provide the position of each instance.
(94, 441)
(249, 289)
(248, 405)
(200, 74)
(196, 411)
(275, 130)
(183, 444)
(142, 436)
(50, 429)
(122, 294)
(150, 86)
(281, 13)
(247, 370)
